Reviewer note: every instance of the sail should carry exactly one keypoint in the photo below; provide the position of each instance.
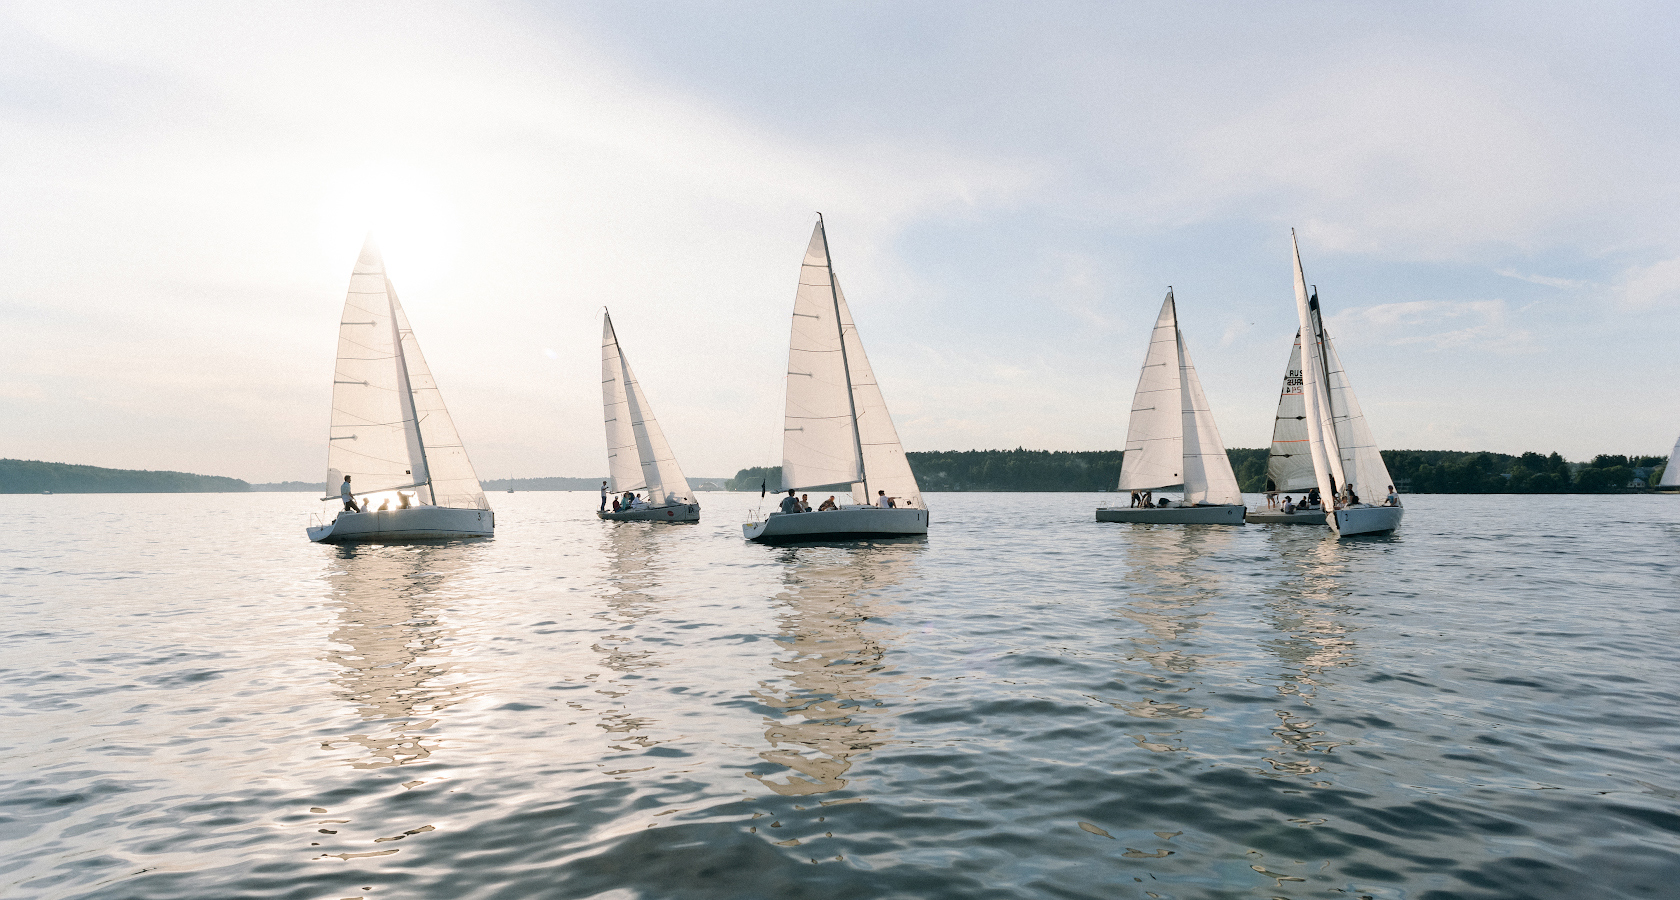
(374, 433)
(1671, 473)
(1320, 438)
(1290, 468)
(452, 481)
(1207, 470)
(1362, 462)
(646, 461)
(1154, 457)
(820, 441)
(885, 467)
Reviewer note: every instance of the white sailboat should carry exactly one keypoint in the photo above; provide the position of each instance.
(1172, 442)
(638, 456)
(1289, 468)
(1344, 452)
(837, 433)
(1670, 481)
(392, 439)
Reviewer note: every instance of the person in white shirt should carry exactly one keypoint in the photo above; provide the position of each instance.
(883, 500)
(1288, 506)
(1393, 498)
(347, 495)
(603, 496)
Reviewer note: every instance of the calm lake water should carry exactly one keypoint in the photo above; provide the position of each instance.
(199, 703)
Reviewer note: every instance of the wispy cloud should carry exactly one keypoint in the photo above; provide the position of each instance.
(1437, 325)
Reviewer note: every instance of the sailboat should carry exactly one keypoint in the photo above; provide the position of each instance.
(1670, 481)
(638, 456)
(1289, 468)
(837, 433)
(392, 439)
(1344, 452)
(1172, 442)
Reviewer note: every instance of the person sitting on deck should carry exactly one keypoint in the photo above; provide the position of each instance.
(1393, 498)
(790, 503)
(884, 501)
(402, 500)
(639, 502)
(1312, 498)
(384, 504)
(615, 504)
(1288, 505)
(365, 504)
(828, 505)
(804, 502)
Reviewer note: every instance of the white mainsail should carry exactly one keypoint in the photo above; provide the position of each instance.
(837, 429)
(638, 456)
(1172, 440)
(1314, 389)
(390, 428)
(1289, 467)
(1671, 473)
(1154, 457)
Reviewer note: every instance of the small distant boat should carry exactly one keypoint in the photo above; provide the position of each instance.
(1289, 468)
(837, 432)
(1343, 450)
(1172, 442)
(391, 433)
(1670, 481)
(638, 456)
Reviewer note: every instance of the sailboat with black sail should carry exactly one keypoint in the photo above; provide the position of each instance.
(837, 434)
(393, 452)
(1172, 442)
(638, 456)
(1344, 452)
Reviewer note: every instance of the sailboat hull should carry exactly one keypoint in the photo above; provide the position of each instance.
(846, 523)
(687, 513)
(1279, 517)
(395, 526)
(1367, 519)
(1175, 515)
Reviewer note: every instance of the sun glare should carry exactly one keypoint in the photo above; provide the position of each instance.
(406, 212)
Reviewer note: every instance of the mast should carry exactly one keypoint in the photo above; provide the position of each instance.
(1311, 391)
(408, 387)
(851, 401)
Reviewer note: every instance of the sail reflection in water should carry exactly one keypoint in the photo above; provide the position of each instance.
(1313, 639)
(828, 710)
(389, 641)
(1172, 587)
(633, 570)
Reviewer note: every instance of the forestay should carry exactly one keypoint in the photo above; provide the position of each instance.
(390, 429)
(885, 467)
(1290, 467)
(1154, 457)
(820, 445)
(638, 456)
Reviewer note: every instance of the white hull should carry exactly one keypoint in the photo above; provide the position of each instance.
(1367, 519)
(846, 523)
(688, 513)
(421, 523)
(1279, 517)
(1175, 515)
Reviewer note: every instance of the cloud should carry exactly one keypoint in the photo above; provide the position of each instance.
(1437, 325)
(1649, 287)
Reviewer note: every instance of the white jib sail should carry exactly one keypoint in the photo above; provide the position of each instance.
(820, 440)
(1154, 457)
(1671, 473)
(1315, 401)
(1289, 467)
(374, 433)
(452, 481)
(638, 456)
(885, 467)
(1362, 462)
(1207, 469)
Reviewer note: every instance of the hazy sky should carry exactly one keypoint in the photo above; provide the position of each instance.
(1487, 195)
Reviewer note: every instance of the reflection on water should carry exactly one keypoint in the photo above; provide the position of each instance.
(633, 566)
(1170, 586)
(389, 644)
(1308, 611)
(837, 663)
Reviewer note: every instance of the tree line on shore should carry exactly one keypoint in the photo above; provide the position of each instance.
(1414, 471)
